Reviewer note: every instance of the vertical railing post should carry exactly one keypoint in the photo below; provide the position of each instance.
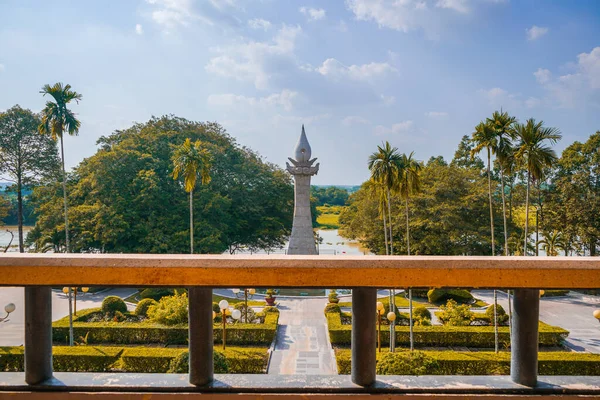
(200, 336)
(524, 336)
(364, 309)
(38, 334)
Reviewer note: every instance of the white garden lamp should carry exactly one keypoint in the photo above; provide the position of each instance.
(10, 307)
(597, 315)
(224, 305)
(236, 314)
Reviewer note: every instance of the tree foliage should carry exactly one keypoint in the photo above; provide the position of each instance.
(123, 198)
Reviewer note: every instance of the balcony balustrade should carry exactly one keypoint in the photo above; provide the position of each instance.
(364, 274)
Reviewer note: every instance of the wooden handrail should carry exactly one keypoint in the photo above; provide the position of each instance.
(143, 270)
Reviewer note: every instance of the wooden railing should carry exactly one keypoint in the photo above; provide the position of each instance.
(364, 274)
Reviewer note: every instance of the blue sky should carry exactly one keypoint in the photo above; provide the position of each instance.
(418, 73)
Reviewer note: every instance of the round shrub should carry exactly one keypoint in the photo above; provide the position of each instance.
(112, 304)
(242, 307)
(216, 307)
(501, 315)
(142, 307)
(181, 363)
(453, 314)
(422, 316)
(406, 363)
(332, 308)
(438, 296)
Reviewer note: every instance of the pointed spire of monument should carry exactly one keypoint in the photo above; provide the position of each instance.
(303, 151)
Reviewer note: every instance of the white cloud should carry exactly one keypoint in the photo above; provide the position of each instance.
(436, 114)
(579, 87)
(313, 14)
(498, 97)
(173, 13)
(407, 15)
(255, 61)
(460, 6)
(354, 120)
(336, 70)
(138, 29)
(542, 75)
(284, 99)
(536, 32)
(259, 23)
(400, 127)
(387, 100)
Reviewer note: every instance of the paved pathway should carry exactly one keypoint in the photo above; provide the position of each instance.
(302, 344)
(572, 312)
(12, 332)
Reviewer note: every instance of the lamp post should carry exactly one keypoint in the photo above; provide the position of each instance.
(597, 315)
(380, 311)
(67, 291)
(10, 307)
(391, 316)
(248, 292)
(235, 314)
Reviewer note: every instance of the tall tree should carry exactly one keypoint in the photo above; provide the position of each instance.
(383, 165)
(25, 156)
(485, 137)
(408, 183)
(502, 124)
(56, 120)
(534, 154)
(189, 160)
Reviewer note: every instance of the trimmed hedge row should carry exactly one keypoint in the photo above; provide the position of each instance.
(132, 359)
(158, 360)
(490, 363)
(436, 336)
(65, 359)
(148, 332)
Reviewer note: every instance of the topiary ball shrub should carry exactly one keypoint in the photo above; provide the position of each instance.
(181, 363)
(171, 310)
(216, 307)
(406, 363)
(501, 315)
(142, 307)
(439, 296)
(332, 308)
(112, 304)
(421, 316)
(270, 309)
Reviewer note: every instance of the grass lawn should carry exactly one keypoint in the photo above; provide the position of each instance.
(329, 217)
(402, 302)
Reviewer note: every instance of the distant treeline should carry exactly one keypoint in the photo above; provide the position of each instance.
(332, 195)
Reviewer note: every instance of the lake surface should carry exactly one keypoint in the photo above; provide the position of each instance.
(5, 236)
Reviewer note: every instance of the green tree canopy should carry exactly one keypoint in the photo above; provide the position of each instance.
(124, 198)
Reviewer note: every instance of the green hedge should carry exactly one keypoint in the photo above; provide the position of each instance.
(148, 332)
(489, 363)
(66, 359)
(436, 336)
(132, 359)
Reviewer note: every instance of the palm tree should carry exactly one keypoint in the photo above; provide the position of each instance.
(189, 160)
(384, 169)
(376, 189)
(502, 124)
(485, 137)
(552, 243)
(408, 183)
(57, 119)
(383, 165)
(534, 155)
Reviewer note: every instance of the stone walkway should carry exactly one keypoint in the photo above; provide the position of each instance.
(302, 344)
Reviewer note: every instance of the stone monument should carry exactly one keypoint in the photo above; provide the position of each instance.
(302, 240)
